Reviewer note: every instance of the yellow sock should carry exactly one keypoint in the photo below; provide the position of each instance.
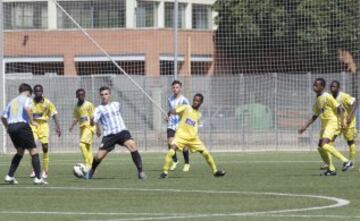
(327, 158)
(84, 153)
(89, 156)
(210, 160)
(46, 161)
(333, 151)
(352, 151)
(168, 160)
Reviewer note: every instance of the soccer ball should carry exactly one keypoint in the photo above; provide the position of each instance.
(79, 170)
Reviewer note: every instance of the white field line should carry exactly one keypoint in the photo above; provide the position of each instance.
(338, 202)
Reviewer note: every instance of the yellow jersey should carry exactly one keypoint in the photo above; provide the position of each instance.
(189, 122)
(84, 113)
(325, 107)
(346, 101)
(43, 110)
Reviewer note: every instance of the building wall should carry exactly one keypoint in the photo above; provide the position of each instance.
(151, 42)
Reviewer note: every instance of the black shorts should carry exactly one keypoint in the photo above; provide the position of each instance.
(108, 142)
(21, 135)
(170, 133)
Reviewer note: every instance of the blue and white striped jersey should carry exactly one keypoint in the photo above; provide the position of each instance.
(174, 101)
(15, 110)
(109, 117)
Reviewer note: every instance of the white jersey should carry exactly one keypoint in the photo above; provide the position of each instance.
(174, 101)
(109, 117)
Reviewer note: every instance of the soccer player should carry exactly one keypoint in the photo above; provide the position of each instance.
(349, 104)
(187, 136)
(173, 121)
(107, 117)
(327, 108)
(83, 114)
(43, 109)
(16, 119)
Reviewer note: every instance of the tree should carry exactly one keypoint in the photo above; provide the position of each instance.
(258, 36)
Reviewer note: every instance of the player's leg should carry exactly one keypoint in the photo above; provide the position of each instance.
(186, 155)
(326, 145)
(45, 149)
(199, 146)
(10, 177)
(327, 159)
(350, 135)
(107, 145)
(86, 140)
(100, 155)
(168, 159)
(170, 137)
(130, 144)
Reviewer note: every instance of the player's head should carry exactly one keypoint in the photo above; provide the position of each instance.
(335, 87)
(80, 95)
(176, 87)
(319, 85)
(25, 89)
(105, 94)
(38, 91)
(197, 100)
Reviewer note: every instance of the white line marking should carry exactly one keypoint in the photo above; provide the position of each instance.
(338, 202)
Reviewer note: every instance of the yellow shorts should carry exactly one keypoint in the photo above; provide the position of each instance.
(349, 133)
(87, 135)
(41, 132)
(329, 132)
(195, 145)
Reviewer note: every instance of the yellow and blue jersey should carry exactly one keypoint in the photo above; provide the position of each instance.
(189, 122)
(325, 107)
(346, 101)
(43, 110)
(84, 113)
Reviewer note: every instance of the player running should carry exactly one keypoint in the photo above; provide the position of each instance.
(173, 121)
(83, 114)
(327, 108)
(187, 136)
(43, 109)
(16, 119)
(108, 117)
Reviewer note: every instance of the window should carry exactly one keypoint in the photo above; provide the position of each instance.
(25, 15)
(107, 67)
(201, 15)
(93, 14)
(146, 14)
(169, 15)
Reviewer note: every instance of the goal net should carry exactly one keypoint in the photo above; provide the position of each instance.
(254, 61)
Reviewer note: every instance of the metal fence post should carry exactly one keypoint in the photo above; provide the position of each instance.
(3, 77)
(275, 110)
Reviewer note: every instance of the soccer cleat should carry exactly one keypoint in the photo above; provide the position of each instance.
(219, 173)
(11, 180)
(163, 176)
(186, 167)
(324, 166)
(174, 165)
(141, 175)
(44, 174)
(347, 165)
(330, 173)
(88, 175)
(40, 181)
(32, 174)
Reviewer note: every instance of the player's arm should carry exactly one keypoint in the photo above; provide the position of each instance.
(96, 120)
(5, 116)
(75, 120)
(340, 112)
(29, 113)
(312, 120)
(54, 115)
(179, 109)
(352, 112)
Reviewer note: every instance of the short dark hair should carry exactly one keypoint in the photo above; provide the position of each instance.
(38, 86)
(336, 82)
(80, 90)
(25, 87)
(103, 88)
(200, 95)
(176, 82)
(322, 81)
